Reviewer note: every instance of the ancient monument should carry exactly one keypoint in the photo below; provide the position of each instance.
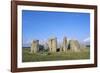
(52, 45)
(74, 45)
(64, 44)
(35, 46)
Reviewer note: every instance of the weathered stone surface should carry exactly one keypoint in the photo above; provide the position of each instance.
(35, 46)
(74, 45)
(64, 44)
(52, 44)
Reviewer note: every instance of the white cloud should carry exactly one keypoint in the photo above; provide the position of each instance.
(87, 39)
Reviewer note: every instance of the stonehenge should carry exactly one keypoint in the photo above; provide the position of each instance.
(74, 45)
(52, 45)
(35, 46)
(64, 45)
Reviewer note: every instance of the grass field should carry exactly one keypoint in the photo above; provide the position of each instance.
(46, 56)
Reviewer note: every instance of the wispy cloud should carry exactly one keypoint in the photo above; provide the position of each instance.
(87, 39)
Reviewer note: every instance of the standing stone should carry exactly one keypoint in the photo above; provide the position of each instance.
(52, 44)
(64, 45)
(74, 45)
(35, 46)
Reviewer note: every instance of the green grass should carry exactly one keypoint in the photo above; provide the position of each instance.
(46, 56)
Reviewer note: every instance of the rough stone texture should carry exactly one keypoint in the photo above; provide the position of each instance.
(35, 46)
(64, 44)
(74, 45)
(52, 44)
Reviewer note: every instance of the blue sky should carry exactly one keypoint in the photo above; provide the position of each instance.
(42, 25)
